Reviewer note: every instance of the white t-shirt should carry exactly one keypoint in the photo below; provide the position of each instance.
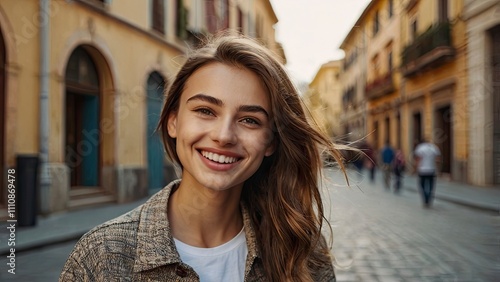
(427, 152)
(222, 263)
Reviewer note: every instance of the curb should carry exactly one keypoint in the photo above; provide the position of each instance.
(460, 201)
(43, 243)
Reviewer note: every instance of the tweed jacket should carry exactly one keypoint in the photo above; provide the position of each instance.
(138, 246)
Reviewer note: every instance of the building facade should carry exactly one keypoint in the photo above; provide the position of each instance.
(324, 99)
(483, 96)
(427, 69)
(433, 65)
(81, 89)
(353, 77)
(382, 90)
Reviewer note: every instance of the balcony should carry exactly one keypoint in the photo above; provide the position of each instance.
(380, 86)
(429, 50)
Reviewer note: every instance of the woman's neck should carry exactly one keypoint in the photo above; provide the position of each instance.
(202, 217)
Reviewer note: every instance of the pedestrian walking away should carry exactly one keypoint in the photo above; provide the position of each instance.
(399, 168)
(387, 155)
(370, 159)
(426, 155)
(247, 206)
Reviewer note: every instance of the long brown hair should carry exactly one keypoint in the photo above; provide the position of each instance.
(283, 197)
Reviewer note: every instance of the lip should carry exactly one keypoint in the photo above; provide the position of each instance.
(218, 166)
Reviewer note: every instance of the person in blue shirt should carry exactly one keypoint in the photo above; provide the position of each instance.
(387, 160)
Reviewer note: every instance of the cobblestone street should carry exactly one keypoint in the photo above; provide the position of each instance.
(378, 236)
(383, 236)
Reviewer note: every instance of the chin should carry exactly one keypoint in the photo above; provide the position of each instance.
(220, 185)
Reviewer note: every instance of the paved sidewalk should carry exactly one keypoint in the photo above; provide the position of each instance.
(62, 227)
(72, 225)
(482, 198)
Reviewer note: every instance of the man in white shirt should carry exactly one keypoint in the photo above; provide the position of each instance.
(426, 155)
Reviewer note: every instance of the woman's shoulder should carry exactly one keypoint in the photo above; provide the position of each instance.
(104, 247)
(120, 229)
(124, 228)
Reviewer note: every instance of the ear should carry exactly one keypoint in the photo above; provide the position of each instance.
(172, 125)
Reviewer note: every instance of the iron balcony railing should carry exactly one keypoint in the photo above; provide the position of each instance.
(429, 49)
(380, 86)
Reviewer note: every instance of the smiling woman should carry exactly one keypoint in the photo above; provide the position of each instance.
(228, 122)
(247, 206)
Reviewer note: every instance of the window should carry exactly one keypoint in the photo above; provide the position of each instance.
(240, 20)
(224, 13)
(417, 128)
(217, 15)
(443, 10)
(181, 20)
(391, 8)
(376, 66)
(376, 23)
(389, 61)
(258, 27)
(387, 130)
(413, 29)
(399, 129)
(158, 16)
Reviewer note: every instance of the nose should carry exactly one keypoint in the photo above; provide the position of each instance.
(224, 132)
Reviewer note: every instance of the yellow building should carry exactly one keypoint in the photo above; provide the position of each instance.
(407, 60)
(81, 88)
(382, 89)
(324, 99)
(434, 92)
(483, 64)
(353, 81)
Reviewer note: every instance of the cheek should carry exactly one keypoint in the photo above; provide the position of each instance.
(258, 142)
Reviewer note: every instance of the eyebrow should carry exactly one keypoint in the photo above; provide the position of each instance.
(218, 102)
(253, 109)
(206, 98)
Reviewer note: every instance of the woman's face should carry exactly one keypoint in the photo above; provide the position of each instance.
(222, 126)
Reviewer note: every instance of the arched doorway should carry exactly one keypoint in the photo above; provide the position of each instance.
(3, 185)
(156, 155)
(82, 136)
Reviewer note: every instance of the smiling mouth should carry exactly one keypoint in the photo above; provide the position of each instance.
(219, 158)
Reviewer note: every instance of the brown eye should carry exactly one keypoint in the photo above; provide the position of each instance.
(251, 121)
(204, 111)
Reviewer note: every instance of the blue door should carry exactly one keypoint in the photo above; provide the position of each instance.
(90, 140)
(82, 150)
(156, 154)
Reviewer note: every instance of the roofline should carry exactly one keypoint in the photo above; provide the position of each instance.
(333, 64)
(357, 24)
(271, 9)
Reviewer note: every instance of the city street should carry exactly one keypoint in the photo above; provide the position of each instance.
(381, 236)
(378, 236)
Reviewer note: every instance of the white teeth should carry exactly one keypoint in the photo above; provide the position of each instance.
(218, 158)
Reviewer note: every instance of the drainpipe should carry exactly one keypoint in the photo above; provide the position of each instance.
(45, 180)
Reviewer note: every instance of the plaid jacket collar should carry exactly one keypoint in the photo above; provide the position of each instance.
(155, 244)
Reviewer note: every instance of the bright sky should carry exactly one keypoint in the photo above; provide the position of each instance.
(311, 32)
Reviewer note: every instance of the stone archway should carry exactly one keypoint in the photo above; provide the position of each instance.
(89, 126)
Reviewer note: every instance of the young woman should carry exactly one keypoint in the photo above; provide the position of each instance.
(247, 206)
